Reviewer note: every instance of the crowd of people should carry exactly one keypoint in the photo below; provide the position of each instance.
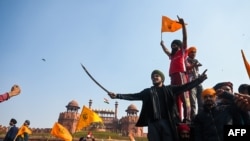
(180, 111)
(184, 110)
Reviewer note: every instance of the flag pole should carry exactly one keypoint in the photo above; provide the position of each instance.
(48, 138)
(161, 30)
(247, 66)
(94, 79)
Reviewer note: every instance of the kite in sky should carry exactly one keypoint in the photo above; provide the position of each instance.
(44, 60)
(106, 100)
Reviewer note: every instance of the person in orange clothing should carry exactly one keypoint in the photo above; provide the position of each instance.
(24, 132)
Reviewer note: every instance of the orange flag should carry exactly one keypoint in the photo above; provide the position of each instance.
(169, 25)
(23, 129)
(87, 117)
(246, 63)
(61, 132)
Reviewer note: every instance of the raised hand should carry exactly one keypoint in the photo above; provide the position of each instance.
(15, 90)
(203, 76)
(112, 95)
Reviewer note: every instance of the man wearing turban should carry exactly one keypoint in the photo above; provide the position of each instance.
(177, 72)
(158, 110)
(192, 65)
(224, 86)
(209, 122)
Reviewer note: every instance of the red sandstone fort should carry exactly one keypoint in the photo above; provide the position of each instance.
(70, 117)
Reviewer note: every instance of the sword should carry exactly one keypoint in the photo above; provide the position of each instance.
(94, 79)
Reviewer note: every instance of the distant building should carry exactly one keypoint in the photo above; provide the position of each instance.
(124, 125)
(70, 118)
(128, 122)
(109, 118)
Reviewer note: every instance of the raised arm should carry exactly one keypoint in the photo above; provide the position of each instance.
(184, 32)
(188, 86)
(165, 49)
(15, 90)
(129, 96)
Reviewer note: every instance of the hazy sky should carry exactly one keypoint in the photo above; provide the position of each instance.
(118, 41)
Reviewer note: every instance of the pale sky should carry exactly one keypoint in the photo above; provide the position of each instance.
(119, 44)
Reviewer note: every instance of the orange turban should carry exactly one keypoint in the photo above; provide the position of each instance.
(192, 49)
(208, 91)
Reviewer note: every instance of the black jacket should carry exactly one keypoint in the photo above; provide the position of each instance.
(209, 123)
(170, 93)
(11, 134)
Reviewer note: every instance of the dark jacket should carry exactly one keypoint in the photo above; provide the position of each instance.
(209, 123)
(148, 102)
(11, 134)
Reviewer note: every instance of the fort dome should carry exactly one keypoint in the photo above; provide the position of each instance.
(73, 103)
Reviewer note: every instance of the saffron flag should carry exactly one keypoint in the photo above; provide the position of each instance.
(246, 63)
(23, 129)
(169, 25)
(87, 117)
(61, 132)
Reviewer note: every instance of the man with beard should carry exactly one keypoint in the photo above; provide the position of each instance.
(158, 106)
(177, 72)
(210, 121)
(224, 86)
(243, 117)
(192, 65)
